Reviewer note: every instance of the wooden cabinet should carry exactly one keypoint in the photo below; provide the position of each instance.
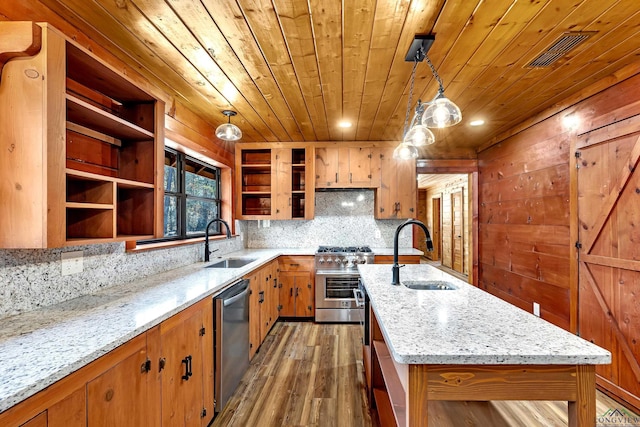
(187, 367)
(83, 150)
(120, 388)
(120, 395)
(272, 183)
(39, 420)
(263, 304)
(346, 167)
(396, 196)
(140, 383)
(296, 286)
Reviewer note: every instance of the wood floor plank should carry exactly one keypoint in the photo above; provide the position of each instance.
(311, 375)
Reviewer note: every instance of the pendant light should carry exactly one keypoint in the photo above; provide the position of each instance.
(439, 113)
(228, 131)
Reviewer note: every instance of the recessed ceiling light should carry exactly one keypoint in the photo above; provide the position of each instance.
(344, 124)
(478, 122)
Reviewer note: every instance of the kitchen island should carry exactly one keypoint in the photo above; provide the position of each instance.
(465, 344)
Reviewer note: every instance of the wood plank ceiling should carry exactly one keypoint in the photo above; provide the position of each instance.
(294, 68)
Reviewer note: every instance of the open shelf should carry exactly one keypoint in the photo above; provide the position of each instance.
(394, 393)
(85, 114)
(90, 223)
(260, 157)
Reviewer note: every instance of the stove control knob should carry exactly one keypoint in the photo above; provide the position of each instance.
(321, 261)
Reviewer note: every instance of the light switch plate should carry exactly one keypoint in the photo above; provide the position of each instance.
(536, 309)
(72, 262)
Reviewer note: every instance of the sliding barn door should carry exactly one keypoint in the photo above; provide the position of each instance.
(609, 251)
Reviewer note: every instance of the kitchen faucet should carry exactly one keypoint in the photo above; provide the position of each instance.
(395, 270)
(206, 236)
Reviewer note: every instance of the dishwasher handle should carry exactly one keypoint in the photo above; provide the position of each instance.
(227, 300)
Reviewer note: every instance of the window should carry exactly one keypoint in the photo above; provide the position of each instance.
(191, 196)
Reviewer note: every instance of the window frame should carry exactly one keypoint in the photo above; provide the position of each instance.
(182, 198)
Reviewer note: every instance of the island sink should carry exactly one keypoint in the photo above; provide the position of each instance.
(429, 285)
(231, 263)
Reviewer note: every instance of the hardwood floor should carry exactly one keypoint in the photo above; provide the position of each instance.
(308, 374)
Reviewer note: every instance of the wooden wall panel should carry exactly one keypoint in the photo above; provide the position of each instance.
(524, 220)
(528, 225)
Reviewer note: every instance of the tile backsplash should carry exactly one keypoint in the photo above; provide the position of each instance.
(341, 218)
(32, 278)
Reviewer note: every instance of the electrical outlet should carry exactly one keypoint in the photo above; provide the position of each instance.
(536, 309)
(72, 262)
(378, 234)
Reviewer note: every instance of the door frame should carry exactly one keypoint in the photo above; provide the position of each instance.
(470, 168)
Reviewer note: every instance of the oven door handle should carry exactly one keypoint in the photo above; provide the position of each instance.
(334, 273)
(359, 297)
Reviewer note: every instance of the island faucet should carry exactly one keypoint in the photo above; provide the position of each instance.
(207, 252)
(395, 270)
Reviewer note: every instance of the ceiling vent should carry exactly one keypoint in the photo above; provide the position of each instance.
(566, 43)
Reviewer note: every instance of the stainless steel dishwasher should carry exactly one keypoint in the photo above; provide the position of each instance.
(231, 348)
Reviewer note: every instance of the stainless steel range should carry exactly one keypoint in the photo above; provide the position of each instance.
(336, 279)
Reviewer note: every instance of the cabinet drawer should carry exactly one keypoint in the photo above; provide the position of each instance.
(291, 263)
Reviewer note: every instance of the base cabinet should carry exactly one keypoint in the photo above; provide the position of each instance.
(263, 304)
(140, 383)
(186, 366)
(297, 291)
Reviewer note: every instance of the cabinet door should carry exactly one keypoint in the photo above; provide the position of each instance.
(287, 293)
(255, 289)
(118, 397)
(208, 367)
(272, 291)
(326, 167)
(39, 420)
(386, 204)
(281, 184)
(304, 292)
(406, 188)
(182, 376)
(360, 172)
(266, 313)
(396, 196)
(70, 411)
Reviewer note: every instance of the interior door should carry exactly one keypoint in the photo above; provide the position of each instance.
(436, 221)
(457, 232)
(609, 253)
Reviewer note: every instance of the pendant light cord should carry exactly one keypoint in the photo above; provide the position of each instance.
(413, 78)
(435, 73)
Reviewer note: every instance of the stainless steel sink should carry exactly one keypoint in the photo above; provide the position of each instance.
(231, 263)
(429, 285)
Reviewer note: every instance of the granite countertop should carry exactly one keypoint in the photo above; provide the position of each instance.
(466, 325)
(60, 339)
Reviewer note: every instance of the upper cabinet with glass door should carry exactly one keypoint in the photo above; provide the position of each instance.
(82, 147)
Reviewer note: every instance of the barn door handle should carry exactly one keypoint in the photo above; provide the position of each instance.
(187, 368)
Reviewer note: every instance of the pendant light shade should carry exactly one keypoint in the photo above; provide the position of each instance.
(419, 136)
(441, 113)
(228, 131)
(405, 151)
